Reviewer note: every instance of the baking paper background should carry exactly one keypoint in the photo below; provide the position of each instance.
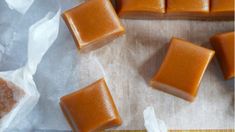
(127, 64)
(137, 55)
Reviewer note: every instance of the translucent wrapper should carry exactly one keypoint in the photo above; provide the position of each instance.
(151, 122)
(19, 5)
(19, 93)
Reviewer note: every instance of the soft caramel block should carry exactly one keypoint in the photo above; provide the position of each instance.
(181, 72)
(91, 109)
(223, 9)
(141, 8)
(224, 47)
(93, 24)
(189, 9)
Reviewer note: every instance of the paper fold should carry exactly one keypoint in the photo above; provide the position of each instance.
(41, 36)
(20, 6)
(151, 123)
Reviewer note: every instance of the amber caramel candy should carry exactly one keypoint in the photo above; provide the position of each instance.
(181, 72)
(188, 9)
(91, 109)
(141, 8)
(93, 24)
(224, 47)
(222, 9)
(9, 96)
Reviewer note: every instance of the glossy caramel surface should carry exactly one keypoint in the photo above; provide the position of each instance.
(91, 109)
(93, 23)
(222, 9)
(182, 69)
(140, 8)
(222, 6)
(224, 47)
(188, 6)
(188, 9)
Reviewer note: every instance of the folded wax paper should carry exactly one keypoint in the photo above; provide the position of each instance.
(19, 5)
(127, 63)
(152, 123)
(19, 83)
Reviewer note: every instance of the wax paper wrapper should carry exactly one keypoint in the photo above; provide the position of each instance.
(152, 123)
(19, 5)
(19, 94)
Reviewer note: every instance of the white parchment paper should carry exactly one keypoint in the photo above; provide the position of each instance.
(127, 64)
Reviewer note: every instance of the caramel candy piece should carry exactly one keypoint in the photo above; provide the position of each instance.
(141, 9)
(188, 9)
(224, 47)
(9, 96)
(182, 69)
(222, 9)
(91, 109)
(93, 24)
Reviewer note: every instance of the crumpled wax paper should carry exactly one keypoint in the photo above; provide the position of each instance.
(151, 122)
(19, 5)
(39, 41)
(127, 64)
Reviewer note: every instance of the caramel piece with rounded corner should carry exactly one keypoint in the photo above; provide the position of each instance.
(91, 108)
(188, 9)
(181, 72)
(224, 47)
(222, 9)
(141, 9)
(93, 24)
(9, 96)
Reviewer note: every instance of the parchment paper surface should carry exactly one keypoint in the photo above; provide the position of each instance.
(127, 64)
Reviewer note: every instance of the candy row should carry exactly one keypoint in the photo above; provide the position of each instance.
(176, 9)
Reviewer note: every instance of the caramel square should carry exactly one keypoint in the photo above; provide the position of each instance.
(91, 108)
(181, 72)
(141, 9)
(93, 24)
(188, 9)
(223, 9)
(224, 47)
